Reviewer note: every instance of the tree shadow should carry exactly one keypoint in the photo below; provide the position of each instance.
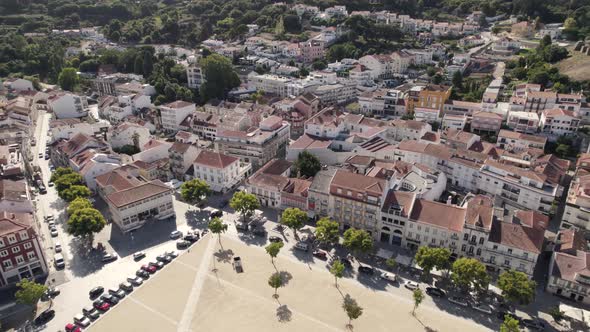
(426, 328)
(284, 314)
(224, 256)
(285, 277)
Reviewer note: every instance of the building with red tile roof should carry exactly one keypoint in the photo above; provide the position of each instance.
(220, 171)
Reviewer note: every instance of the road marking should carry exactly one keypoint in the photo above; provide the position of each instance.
(252, 294)
(150, 309)
(195, 294)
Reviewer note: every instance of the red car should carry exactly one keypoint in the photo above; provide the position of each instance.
(72, 328)
(101, 305)
(149, 268)
(320, 254)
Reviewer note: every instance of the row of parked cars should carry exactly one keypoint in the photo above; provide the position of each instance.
(104, 300)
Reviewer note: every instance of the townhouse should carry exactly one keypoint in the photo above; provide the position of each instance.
(67, 105)
(132, 200)
(128, 133)
(515, 141)
(116, 108)
(486, 122)
(558, 122)
(21, 252)
(195, 76)
(576, 213)
(14, 196)
(523, 122)
(268, 182)
(221, 172)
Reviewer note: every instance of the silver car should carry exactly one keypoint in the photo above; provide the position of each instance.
(81, 320)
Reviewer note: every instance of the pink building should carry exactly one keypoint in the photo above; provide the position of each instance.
(312, 50)
(486, 122)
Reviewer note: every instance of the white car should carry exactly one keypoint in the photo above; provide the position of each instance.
(53, 232)
(411, 285)
(58, 247)
(175, 234)
(135, 281)
(388, 276)
(81, 320)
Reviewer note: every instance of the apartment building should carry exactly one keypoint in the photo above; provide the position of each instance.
(257, 146)
(67, 128)
(67, 105)
(268, 182)
(424, 114)
(355, 200)
(221, 172)
(91, 163)
(459, 107)
(174, 113)
(486, 122)
(116, 108)
(523, 122)
(21, 252)
(195, 76)
(62, 151)
(576, 213)
(336, 94)
(318, 198)
(14, 196)
(312, 49)
(181, 156)
(128, 133)
(133, 200)
(569, 268)
(429, 96)
(515, 141)
(558, 122)
(456, 122)
(271, 84)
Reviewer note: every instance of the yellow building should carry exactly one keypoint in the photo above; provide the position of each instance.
(431, 96)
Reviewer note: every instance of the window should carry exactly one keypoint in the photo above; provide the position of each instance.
(478, 252)
(23, 235)
(466, 237)
(19, 259)
(495, 247)
(433, 241)
(473, 238)
(521, 266)
(509, 251)
(3, 253)
(7, 264)
(1, 243)
(463, 247)
(28, 245)
(410, 235)
(419, 227)
(11, 239)
(481, 239)
(506, 262)
(15, 250)
(417, 236)
(525, 255)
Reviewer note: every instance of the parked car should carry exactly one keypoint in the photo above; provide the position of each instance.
(91, 312)
(502, 315)
(215, 214)
(158, 265)
(81, 320)
(72, 328)
(149, 268)
(275, 239)
(101, 305)
(482, 307)
(96, 291)
(164, 259)
(366, 270)
(47, 156)
(191, 237)
(126, 286)
(458, 301)
(50, 184)
(321, 254)
(49, 217)
(182, 244)
(390, 277)
(433, 291)
(343, 260)
(52, 292)
(57, 247)
(53, 232)
(303, 246)
(108, 298)
(135, 281)
(142, 274)
(40, 154)
(242, 226)
(138, 255)
(172, 254)
(58, 260)
(175, 234)
(411, 285)
(259, 231)
(44, 317)
(107, 258)
(533, 324)
(117, 293)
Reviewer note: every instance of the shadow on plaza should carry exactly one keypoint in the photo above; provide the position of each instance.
(85, 260)
(153, 233)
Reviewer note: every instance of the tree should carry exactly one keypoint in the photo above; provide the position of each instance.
(458, 80)
(516, 287)
(216, 226)
(68, 78)
(273, 250)
(390, 263)
(291, 24)
(59, 172)
(352, 309)
(29, 292)
(307, 164)
(327, 231)
(337, 270)
(358, 241)
(148, 64)
(135, 138)
(428, 258)
(418, 298)
(67, 180)
(73, 192)
(78, 204)
(221, 77)
(556, 313)
(469, 272)
(244, 203)
(294, 219)
(509, 325)
(275, 281)
(194, 191)
(570, 23)
(437, 79)
(85, 222)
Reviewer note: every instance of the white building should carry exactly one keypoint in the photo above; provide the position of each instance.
(558, 122)
(523, 122)
(456, 122)
(513, 141)
(195, 76)
(67, 128)
(272, 84)
(18, 84)
(92, 163)
(429, 115)
(67, 105)
(174, 113)
(221, 172)
(128, 133)
(116, 109)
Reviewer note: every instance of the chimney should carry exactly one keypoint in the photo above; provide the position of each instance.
(450, 200)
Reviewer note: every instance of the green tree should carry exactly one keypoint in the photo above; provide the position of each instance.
(517, 287)
(275, 281)
(327, 231)
(337, 270)
(391, 263)
(307, 164)
(73, 192)
(194, 191)
(509, 325)
(216, 226)
(67, 180)
(458, 80)
(59, 172)
(244, 203)
(556, 314)
(29, 292)
(418, 298)
(352, 309)
(358, 241)
(291, 23)
(68, 78)
(570, 23)
(148, 64)
(78, 204)
(437, 79)
(85, 222)
(221, 77)
(429, 258)
(469, 272)
(294, 219)
(273, 250)
(135, 138)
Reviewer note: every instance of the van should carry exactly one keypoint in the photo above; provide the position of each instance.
(302, 246)
(59, 261)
